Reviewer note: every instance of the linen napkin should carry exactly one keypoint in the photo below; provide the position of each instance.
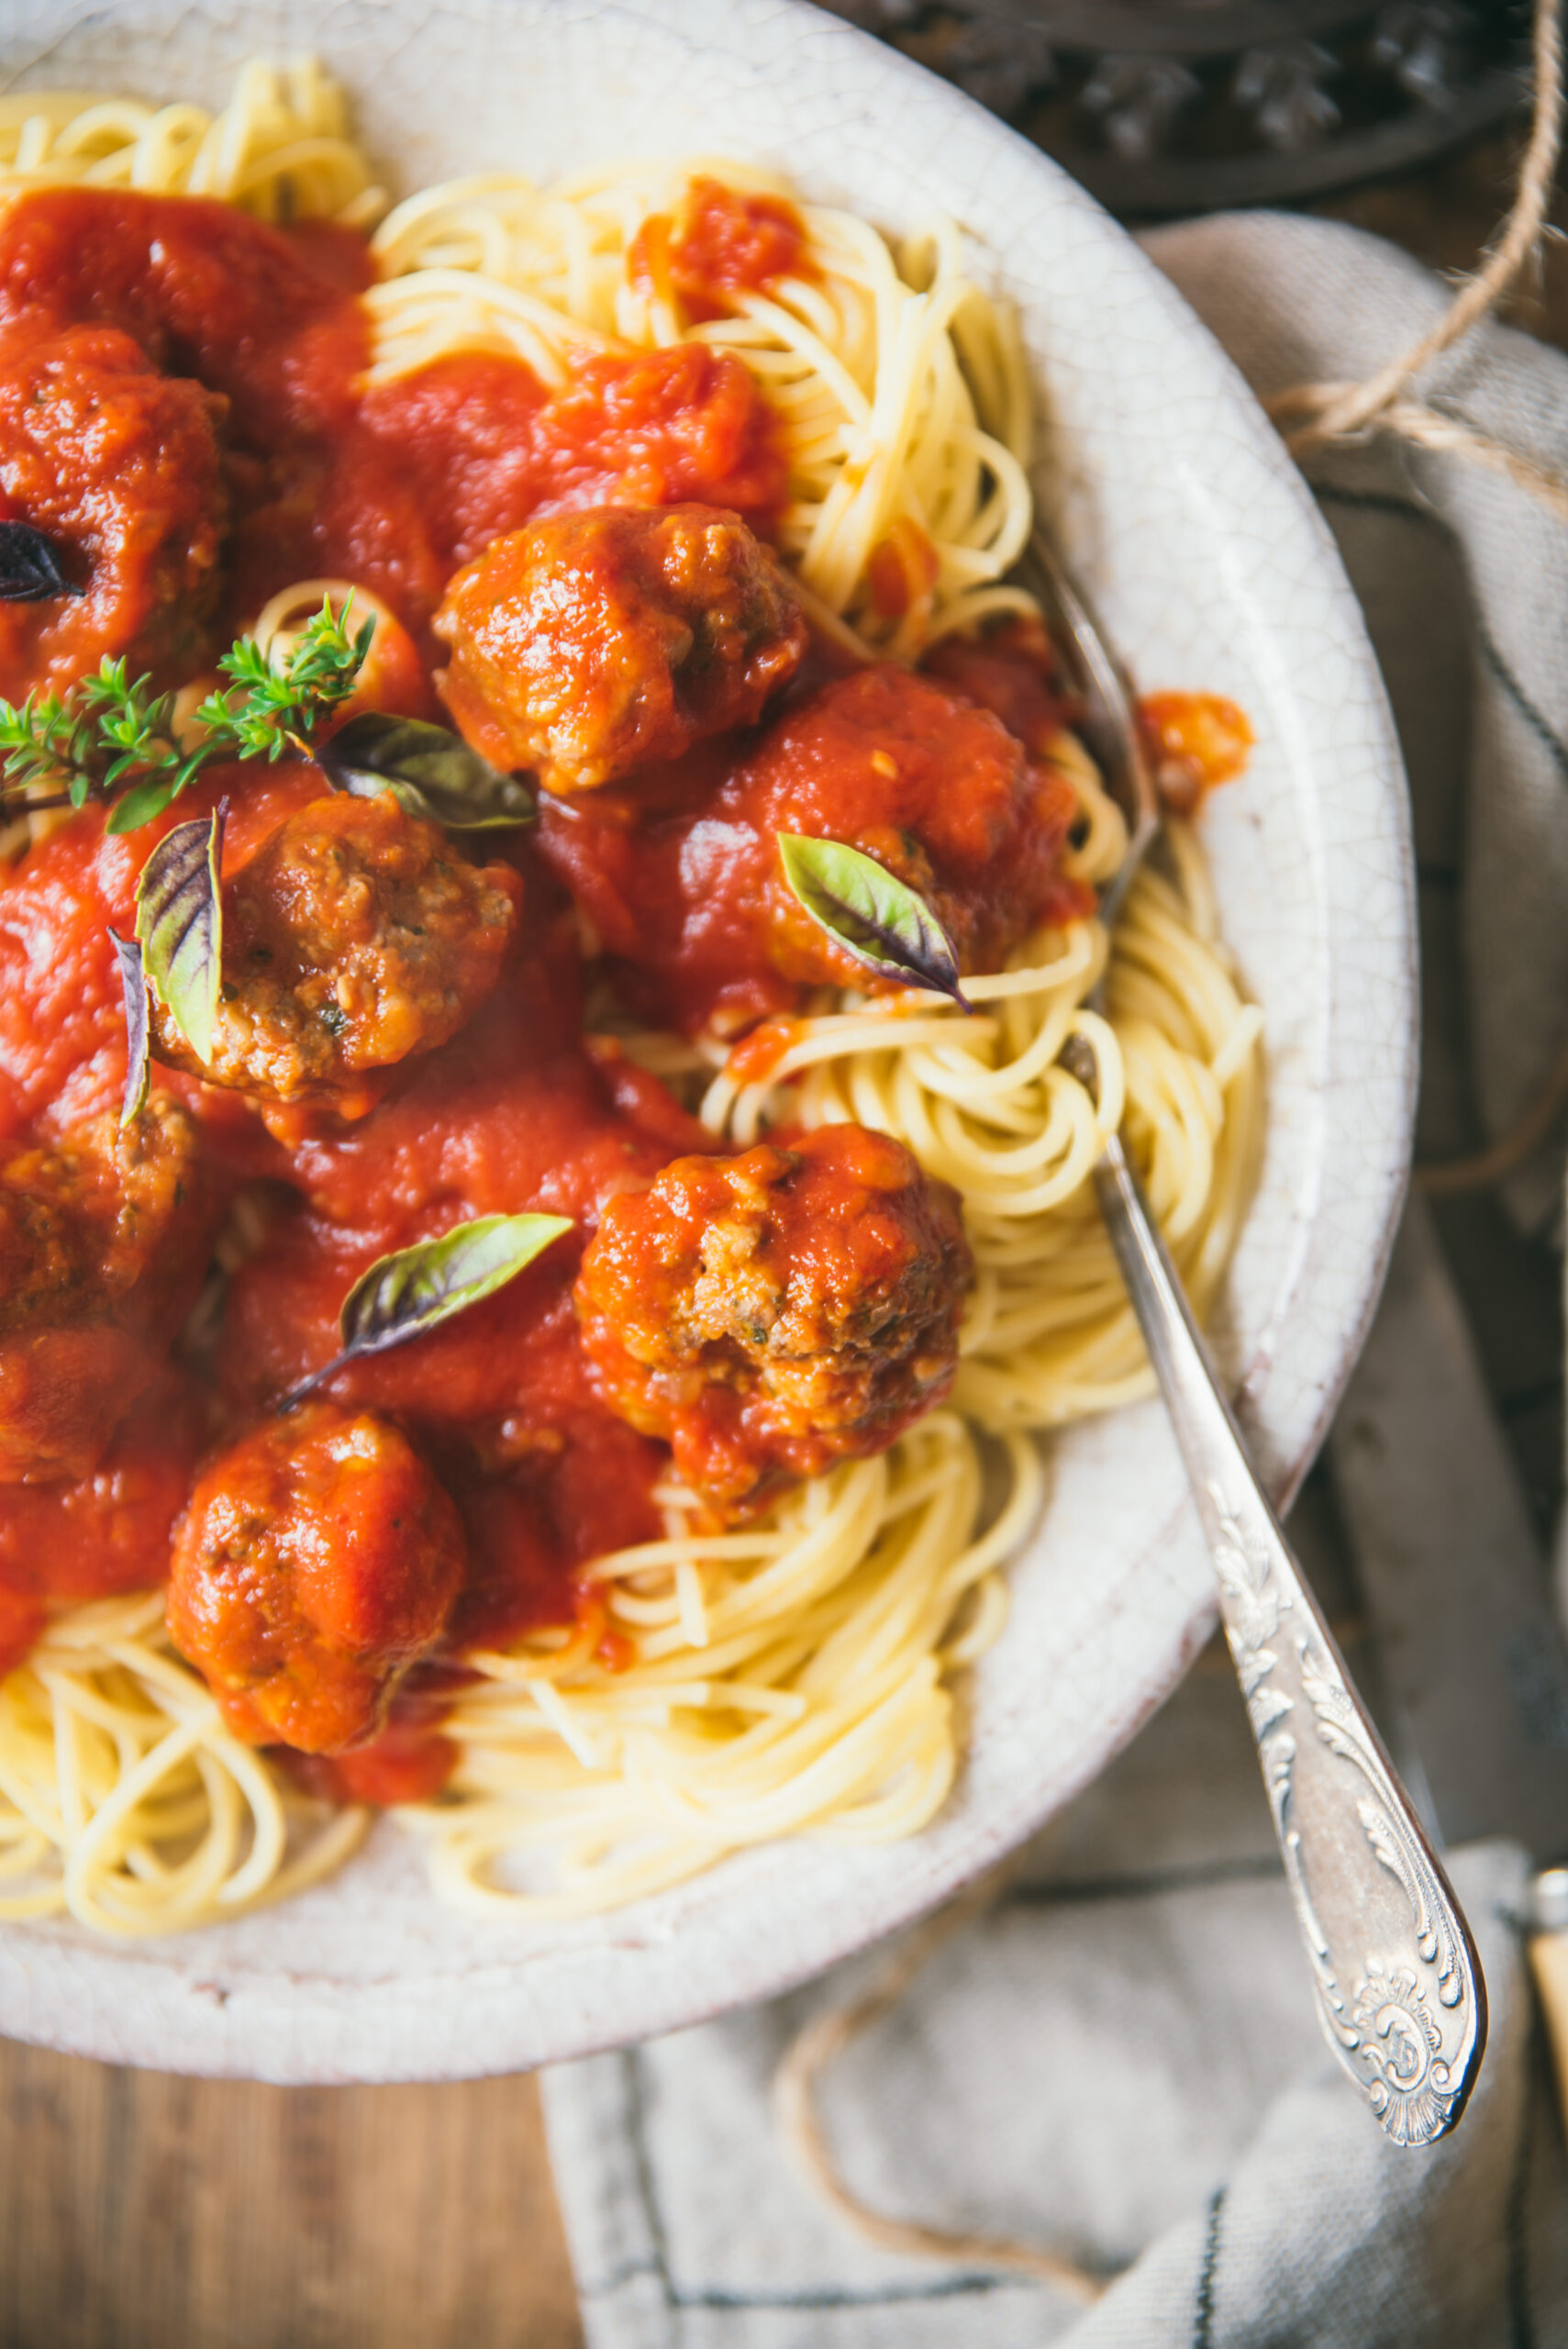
(1120, 2060)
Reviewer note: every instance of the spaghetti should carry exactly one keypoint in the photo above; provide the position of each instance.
(127, 1803)
(899, 386)
(793, 1675)
(280, 149)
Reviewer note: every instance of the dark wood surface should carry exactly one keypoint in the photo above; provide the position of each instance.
(144, 2212)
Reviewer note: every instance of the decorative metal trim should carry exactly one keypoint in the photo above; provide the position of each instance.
(1400, 1990)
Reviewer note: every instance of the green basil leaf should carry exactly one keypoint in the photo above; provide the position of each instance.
(179, 926)
(416, 1288)
(430, 772)
(880, 919)
(133, 979)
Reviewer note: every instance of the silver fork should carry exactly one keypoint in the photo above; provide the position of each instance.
(1400, 1992)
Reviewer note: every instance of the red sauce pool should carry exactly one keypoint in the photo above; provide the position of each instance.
(720, 243)
(221, 363)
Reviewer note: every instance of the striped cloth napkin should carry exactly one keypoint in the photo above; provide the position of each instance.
(1120, 2060)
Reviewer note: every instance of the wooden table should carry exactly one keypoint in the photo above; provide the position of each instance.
(143, 2211)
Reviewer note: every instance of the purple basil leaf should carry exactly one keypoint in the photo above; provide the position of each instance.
(30, 568)
(877, 917)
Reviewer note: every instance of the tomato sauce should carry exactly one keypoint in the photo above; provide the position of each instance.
(720, 243)
(394, 486)
(183, 407)
(903, 569)
(407, 1763)
(97, 1535)
(1194, 742)
(516, 1116)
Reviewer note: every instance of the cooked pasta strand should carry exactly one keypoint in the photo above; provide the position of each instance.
(792, 1676)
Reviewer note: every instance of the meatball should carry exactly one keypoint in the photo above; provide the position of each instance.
(703, 926)
(120, 467)
(1011, 671)
(932, 787)
(355, 937)
(319, 1559)
(594, 644)
(102, 1246)
(771, 1313)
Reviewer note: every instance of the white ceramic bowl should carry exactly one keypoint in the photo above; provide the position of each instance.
(1213, 570)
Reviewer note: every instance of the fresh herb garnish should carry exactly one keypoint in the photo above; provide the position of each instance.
(179, 926)
(30, 568)
(133, 979)
(109, 738)
(416, 1288)
(430, 770)
(874, 916)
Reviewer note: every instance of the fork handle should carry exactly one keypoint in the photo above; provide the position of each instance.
(1400, 1993)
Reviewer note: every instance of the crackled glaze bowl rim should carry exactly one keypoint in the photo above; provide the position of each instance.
(367, 1979)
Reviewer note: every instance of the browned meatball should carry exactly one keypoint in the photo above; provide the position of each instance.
(120, 466)
(102, 1246)
(594, 644)
(355, 937)
(317, 1559)
(695, 908)
(770, 1313)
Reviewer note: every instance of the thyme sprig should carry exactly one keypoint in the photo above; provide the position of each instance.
(109, 738)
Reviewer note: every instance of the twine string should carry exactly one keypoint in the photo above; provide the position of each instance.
(1430, 428)
(1453, 1178)
(1351, 411)
(822, 2042)
(1312, 416)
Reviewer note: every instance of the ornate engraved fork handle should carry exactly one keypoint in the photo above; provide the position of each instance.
(1400, 1992)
